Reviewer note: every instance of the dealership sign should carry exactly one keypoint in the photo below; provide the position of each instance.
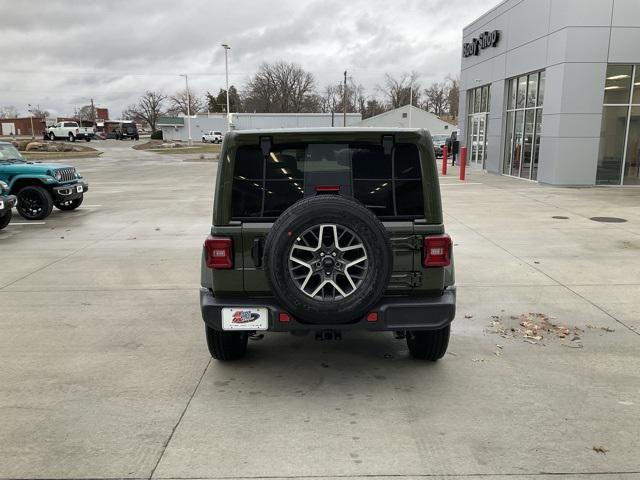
(486, 40)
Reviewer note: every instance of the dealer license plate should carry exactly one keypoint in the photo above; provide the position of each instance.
(240, 318)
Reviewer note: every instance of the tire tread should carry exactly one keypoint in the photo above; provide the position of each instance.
(429, 345)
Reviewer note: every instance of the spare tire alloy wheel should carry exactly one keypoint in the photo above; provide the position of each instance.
(324, 269)
(328, 260)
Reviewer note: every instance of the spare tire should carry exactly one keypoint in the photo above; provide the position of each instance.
(328, 260)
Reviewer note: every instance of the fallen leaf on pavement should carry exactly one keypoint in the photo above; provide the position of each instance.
(601, 450)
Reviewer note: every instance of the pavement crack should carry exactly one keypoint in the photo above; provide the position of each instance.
(175, 427)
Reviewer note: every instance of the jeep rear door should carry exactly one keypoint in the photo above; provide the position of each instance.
(264, 187)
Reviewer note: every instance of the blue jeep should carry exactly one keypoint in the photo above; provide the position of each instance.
(40, 186)
(7, 202)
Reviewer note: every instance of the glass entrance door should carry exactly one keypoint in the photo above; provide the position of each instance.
(477, 139)
(479, 100)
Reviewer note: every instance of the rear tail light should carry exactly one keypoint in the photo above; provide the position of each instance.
(327, 188)
(437, 251)
(219, 253)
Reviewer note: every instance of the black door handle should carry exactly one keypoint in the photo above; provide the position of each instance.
(257, 251)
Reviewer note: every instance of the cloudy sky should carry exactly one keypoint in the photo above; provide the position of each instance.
(59, 54)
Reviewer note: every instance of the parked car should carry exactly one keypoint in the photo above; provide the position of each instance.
(7, 202)
(439, 141)
(212, 137)
(70, 131)
(40, 186)
(298, 244)
(126, 130)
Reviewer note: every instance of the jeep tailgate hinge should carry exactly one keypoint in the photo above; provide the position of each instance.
(415, 279)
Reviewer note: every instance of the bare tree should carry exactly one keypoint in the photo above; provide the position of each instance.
(148, 109)
(86, 113)
(183, 99)
(37, 112)
(436, 98)
(398, 90)
(281, 87)
(453, 96)
(333, 97)
(8, 111)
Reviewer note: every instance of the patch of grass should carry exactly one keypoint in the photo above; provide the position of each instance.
(52, 155)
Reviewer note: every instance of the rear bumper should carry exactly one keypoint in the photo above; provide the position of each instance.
(6, 204)
(394, 313)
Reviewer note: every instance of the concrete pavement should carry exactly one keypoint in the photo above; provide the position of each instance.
(105, 372)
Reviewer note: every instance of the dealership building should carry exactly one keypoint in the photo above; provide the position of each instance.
(550, 91)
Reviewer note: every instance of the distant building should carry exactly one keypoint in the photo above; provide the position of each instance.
(176, 128)
(550, 91)
(22, 126)
(102, 113)
(410, 117)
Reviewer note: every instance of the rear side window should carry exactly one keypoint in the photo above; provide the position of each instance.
(389, 185)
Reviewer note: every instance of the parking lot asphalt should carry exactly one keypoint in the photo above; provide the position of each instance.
(105, 373)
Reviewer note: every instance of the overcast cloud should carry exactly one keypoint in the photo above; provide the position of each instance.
(59, 54)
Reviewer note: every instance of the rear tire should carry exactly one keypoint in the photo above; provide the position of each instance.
(72, 137)
(226, 346)
(429, 345)
(52, 137)
(5, 219)
(34, 203)
(87, 139)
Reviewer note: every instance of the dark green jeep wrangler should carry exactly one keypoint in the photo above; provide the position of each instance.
(326, 231)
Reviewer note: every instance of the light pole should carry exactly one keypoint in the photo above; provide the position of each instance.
(33, 136)
(344, 101)
(226, 73)
(186, 80)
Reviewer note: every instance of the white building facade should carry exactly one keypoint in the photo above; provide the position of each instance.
(550, 91)
(177, 128)
(410, 117)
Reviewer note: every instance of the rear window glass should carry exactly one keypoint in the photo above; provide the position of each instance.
(390, 185)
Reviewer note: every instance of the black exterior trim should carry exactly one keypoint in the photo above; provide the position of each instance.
(394, 313)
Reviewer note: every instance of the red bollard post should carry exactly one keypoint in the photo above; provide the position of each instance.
(463, 163)
(445, 159)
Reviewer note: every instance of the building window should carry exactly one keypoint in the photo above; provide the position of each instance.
(479, 100)
(525, 100)
(404, 115)
(619, 155)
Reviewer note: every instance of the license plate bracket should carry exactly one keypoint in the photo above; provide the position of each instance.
(245, 318)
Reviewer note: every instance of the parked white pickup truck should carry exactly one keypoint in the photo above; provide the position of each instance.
(212, 137)
(70, 131)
